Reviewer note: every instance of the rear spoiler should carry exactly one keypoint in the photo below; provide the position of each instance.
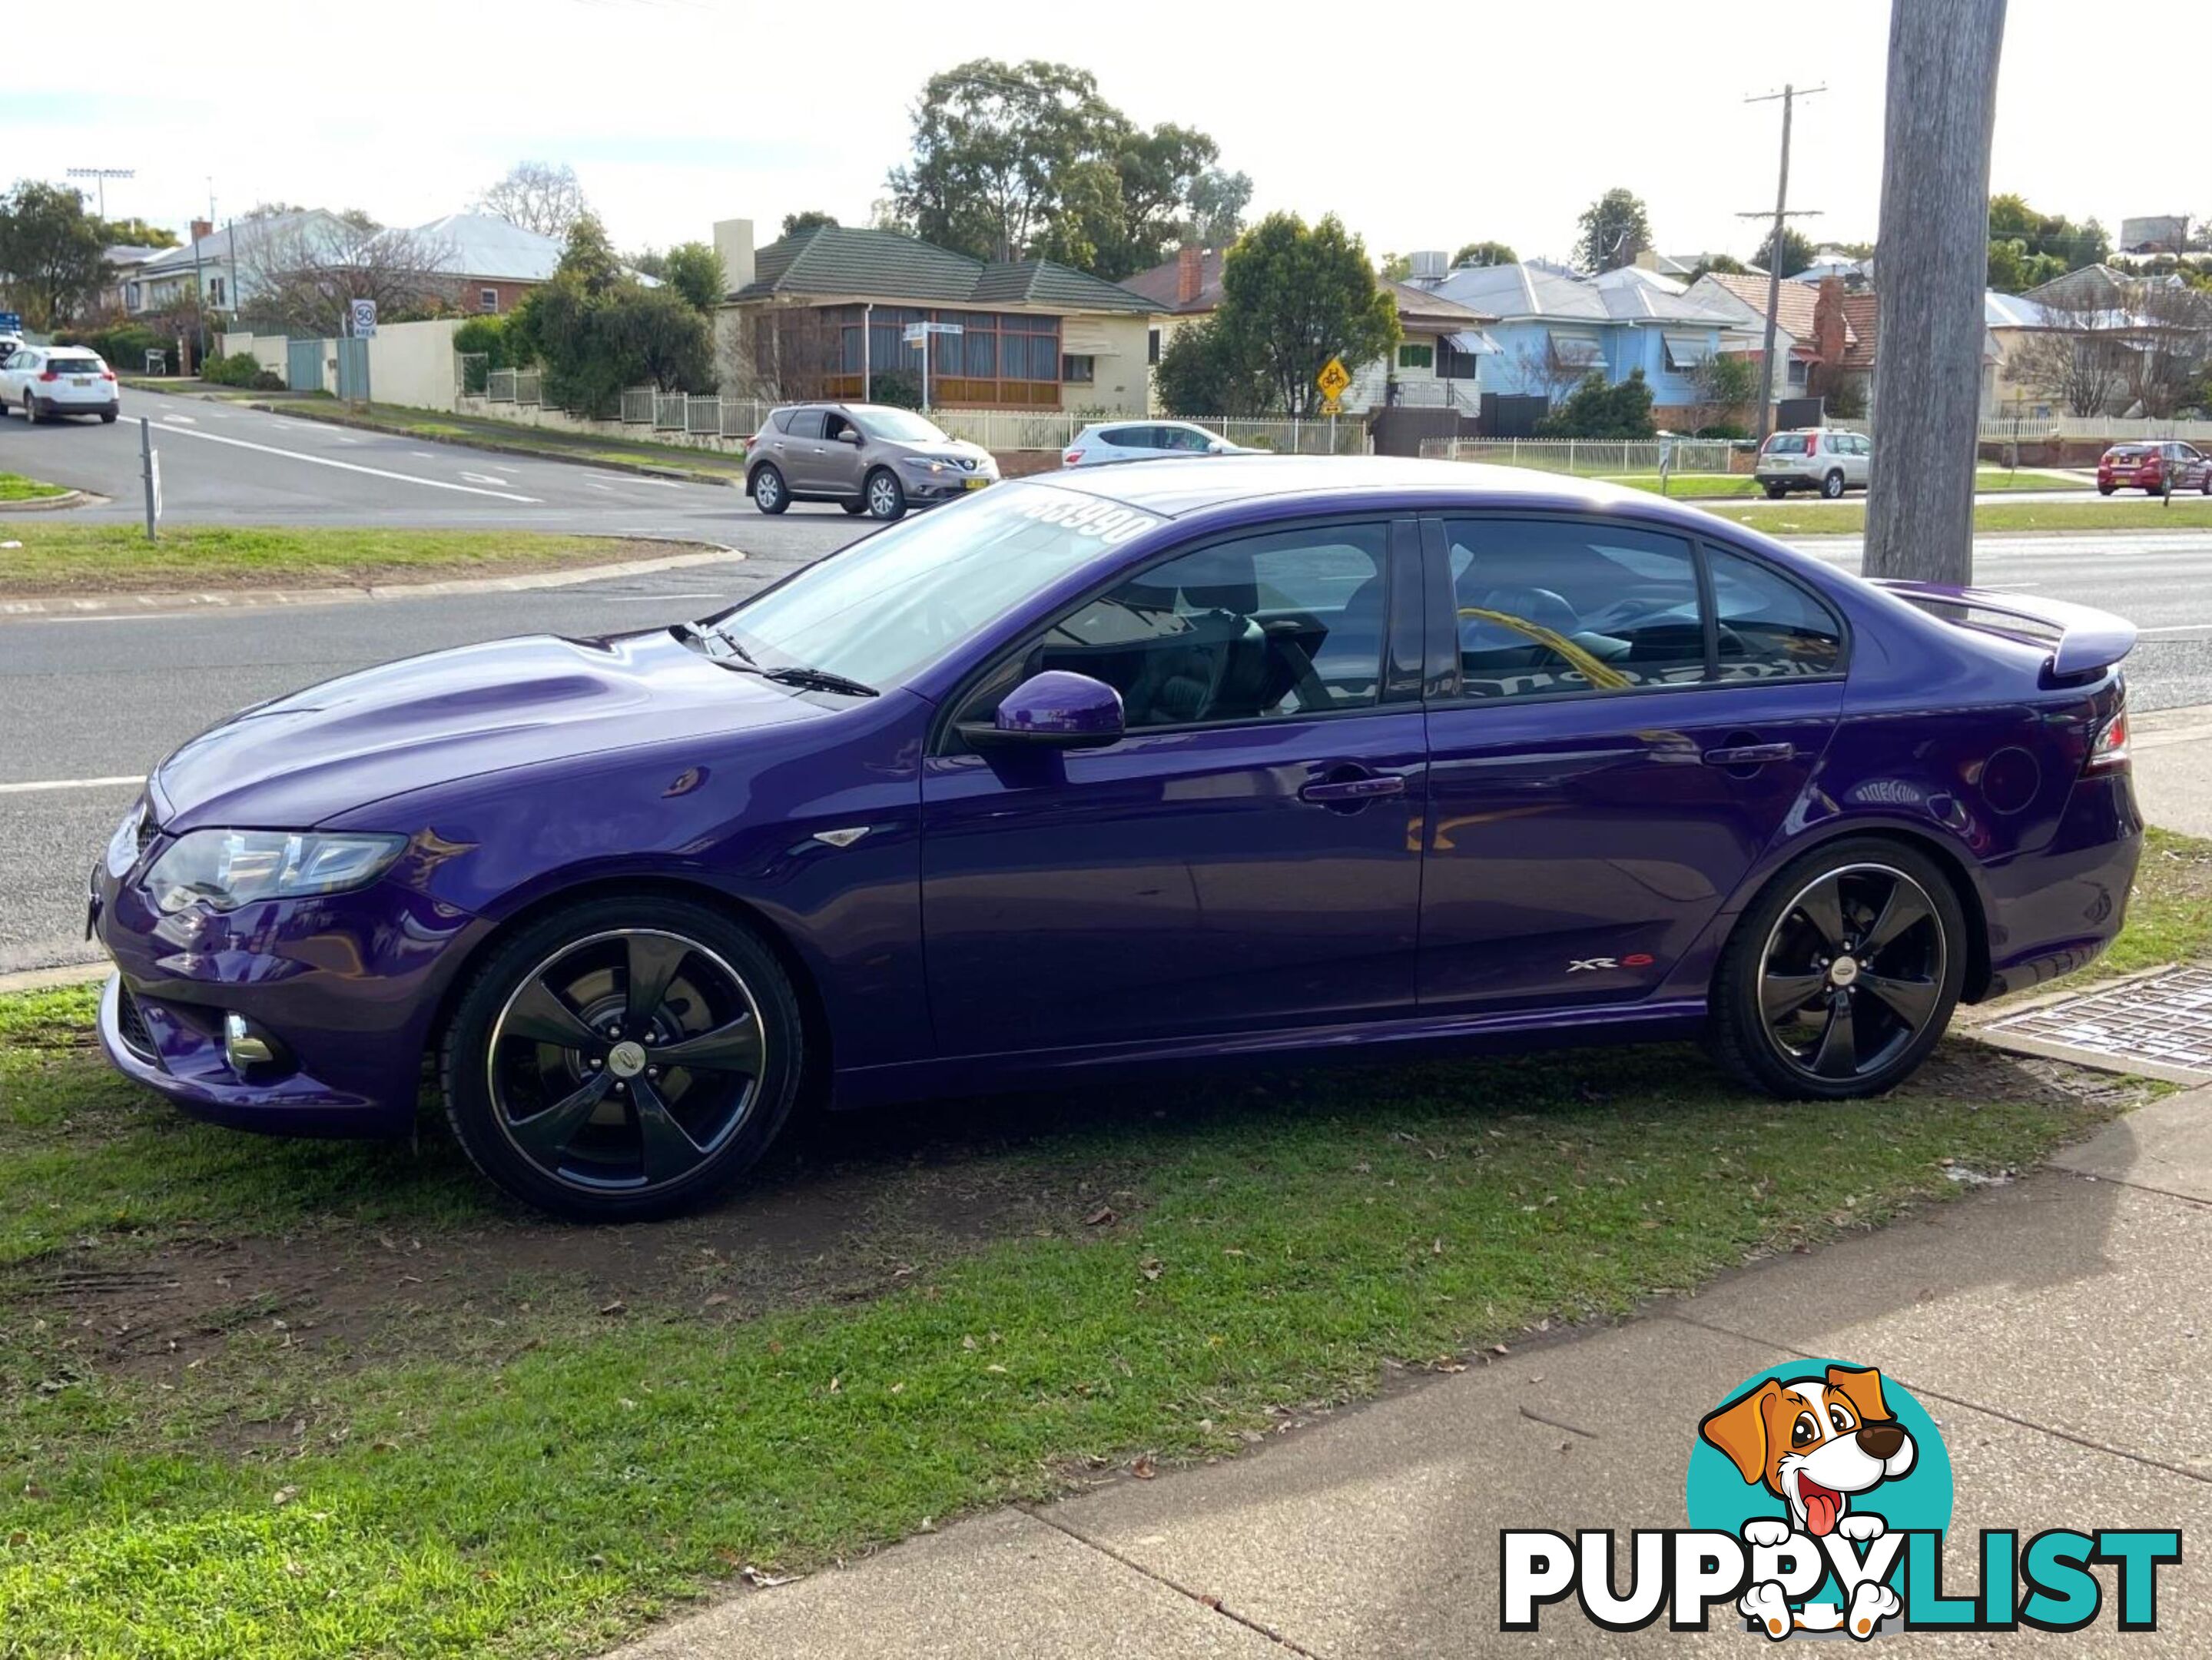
(2088, 639)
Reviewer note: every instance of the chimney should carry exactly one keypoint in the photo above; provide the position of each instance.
(733, 241)
(1828, 327)
(202, 228)
(1190, 273)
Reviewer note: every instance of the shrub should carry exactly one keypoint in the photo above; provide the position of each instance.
(1598, 410)
(268, 380)
(1722, 429)
(239, 369)
(900, 387)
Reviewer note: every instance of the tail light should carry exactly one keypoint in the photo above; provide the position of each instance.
(1071, 458)
(49, 375)
(2110, 749)
(107, 374)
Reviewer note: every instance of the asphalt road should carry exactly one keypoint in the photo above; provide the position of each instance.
(85, 700)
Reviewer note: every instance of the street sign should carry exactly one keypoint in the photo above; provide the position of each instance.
(917, 332)
(364, 320)
(11, 322)
(1331, 406)
(1333, 379)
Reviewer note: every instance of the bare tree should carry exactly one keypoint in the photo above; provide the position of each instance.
(2080, 357)
(2172, 345)
(1935, 257)
(306, 276)
(537, 196)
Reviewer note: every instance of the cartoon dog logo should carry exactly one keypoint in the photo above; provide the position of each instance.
(1818, 1444)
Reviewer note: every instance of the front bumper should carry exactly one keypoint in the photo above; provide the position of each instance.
(348, 984)
(931, 487)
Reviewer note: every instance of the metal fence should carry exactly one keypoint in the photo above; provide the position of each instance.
(1590, 457)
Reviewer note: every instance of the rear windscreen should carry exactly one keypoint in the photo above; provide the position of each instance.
(1789, 443)
(73, 365)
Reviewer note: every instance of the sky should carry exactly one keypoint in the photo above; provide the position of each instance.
(1441, 125)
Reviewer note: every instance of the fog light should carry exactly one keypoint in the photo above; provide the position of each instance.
(243, 1046)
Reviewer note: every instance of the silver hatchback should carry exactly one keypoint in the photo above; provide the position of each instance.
(1143, 440)
(868, 458)
(1824, 459)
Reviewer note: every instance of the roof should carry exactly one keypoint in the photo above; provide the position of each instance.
(1515, 292)
(1793, 314)
(1162, 283)
(484, 244)
(1862, 325)
(2010, 311)
(215, 248)
(887, 265)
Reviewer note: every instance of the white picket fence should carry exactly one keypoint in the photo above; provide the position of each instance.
(1588, 456)
(2111, 429)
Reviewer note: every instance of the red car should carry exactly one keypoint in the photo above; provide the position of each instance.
(2145, 467)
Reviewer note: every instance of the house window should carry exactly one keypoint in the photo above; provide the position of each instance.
(214, 292)
(1077, 367)
(1453, 364)
(1421, 355)
(1797, 373)
(1152, 347)
(487, 299)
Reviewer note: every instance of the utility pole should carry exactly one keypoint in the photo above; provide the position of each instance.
(103, 174)
(1788, 96)
(1934, 251)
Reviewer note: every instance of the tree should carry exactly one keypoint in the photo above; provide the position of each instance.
(1203, 372)
(1485, 253)
(1797, 252)
(1293, 297)
(538, 196)
(1727, 380)
(2173, 346)
(807, 219)
(304, 276)
(1595, 410)
(597, 329)
(1934, 253)
(1615, 229)
(51, 250)
(1018, 161)
(693, 270)
(137, 234)
(1727, 265)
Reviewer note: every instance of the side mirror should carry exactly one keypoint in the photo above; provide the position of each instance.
(1052, 710)
(1217, 447)
(850, 435)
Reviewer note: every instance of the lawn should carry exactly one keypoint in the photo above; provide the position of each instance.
(58, 559)
(1714, 486)
(13, 487)
(1816, 518)
(324, 1399)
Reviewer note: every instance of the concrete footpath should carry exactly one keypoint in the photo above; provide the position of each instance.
(2173, 753)
(2058, 1329)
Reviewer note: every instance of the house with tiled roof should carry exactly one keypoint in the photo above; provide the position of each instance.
(1437, 364)
(823, 312)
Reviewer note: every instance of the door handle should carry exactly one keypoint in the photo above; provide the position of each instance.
(1367, 786)
(1750, 754)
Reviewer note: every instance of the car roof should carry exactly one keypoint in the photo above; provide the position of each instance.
(1173, 487)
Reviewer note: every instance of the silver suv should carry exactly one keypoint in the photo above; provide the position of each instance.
(1823, 459)
(866, 457)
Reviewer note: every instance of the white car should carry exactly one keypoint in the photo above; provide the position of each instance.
(1823, 459)
(1143, 440)
(40, 382)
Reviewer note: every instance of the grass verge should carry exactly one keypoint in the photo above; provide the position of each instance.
(314, 1399)
(1725, 487)
(58, 559)
(13, 487)
(1849, 518)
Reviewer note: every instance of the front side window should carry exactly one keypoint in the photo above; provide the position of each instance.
(804, 423)
(1770, 628)
(1551, 607)
(899, 426)
(1265, 628)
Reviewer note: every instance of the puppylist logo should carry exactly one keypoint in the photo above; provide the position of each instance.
(1819, 1494)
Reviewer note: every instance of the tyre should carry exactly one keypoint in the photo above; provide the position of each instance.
(854, 508)
(1831, 487)
(2204, 484)
(885, 497)
(30, 409)
(770, 493)
(1776, 492)
(622, 1058)
(1842, 974)
(107, 416)
(2106, 489)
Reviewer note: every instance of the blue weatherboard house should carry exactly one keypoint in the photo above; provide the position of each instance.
(1555, 325)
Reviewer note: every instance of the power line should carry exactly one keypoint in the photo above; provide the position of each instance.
(103, 174)
(1788, 96)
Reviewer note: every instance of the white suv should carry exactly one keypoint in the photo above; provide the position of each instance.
(45, 382)
(1143, 440)
(1821, 458)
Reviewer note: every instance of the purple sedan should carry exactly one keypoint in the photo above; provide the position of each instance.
(1125, 767)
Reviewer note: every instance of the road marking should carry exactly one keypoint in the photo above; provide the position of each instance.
(483, 478)
(2175, 628)
(593, 484)
(183, 420)
(73, 784)
(651, 599)
(658, 484)
(425, 454)
(355, 466)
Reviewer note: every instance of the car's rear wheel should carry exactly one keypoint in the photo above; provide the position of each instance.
(107, 416)
(770, 493)
(1841, 977)
(30, 409)
(1832, 485)
(884, 496)
(854, 507)
(2106, 489)
(1776, 492)
(624, 1059)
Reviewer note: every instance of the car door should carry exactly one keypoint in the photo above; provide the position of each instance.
(1859, 459)
(1610, 752)
(13, 376)
(804, 463)
(842, 463)
(1244, 857)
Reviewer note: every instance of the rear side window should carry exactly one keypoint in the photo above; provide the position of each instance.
(1549, 607)
(1770, 627)
(1130, 438)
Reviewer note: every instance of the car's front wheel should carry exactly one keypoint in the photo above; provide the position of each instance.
(886, 497)
(624, 1059)
(1841, 977)
(1832, 486)
(770, 493)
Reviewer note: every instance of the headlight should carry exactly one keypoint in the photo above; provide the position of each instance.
(228, 868)
(924, 463)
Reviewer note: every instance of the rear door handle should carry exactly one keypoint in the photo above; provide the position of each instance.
(1366, 788)
(1750, 754)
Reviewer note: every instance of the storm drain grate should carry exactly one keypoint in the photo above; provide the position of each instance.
(2160, 1024)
